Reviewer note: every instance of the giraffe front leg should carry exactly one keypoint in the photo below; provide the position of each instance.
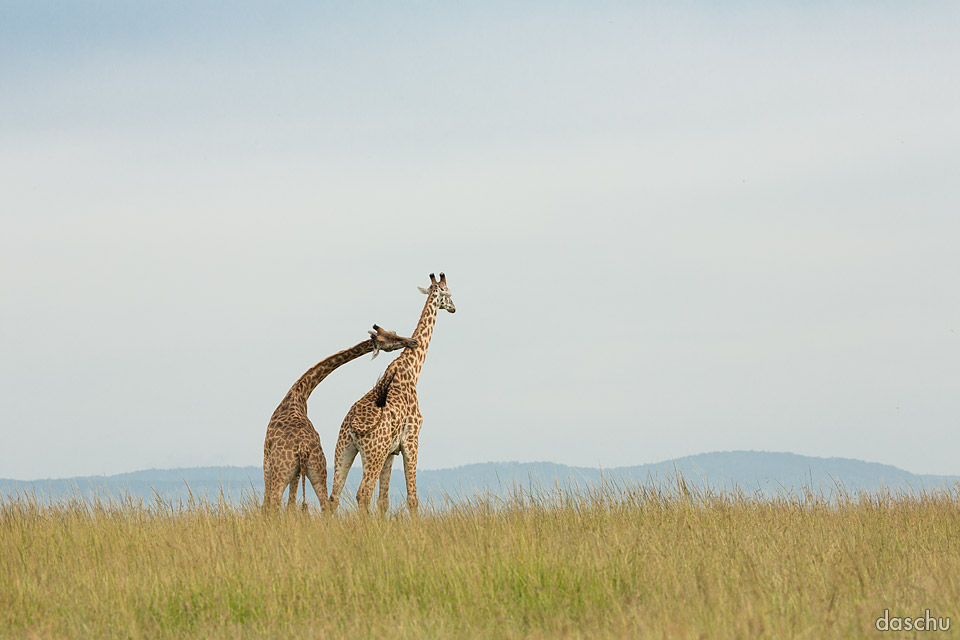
(409, 451)
(383, 502)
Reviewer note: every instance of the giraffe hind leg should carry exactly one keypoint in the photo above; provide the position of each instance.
(343, 458)
(275, 481)
(292, 498)
(281, 472)
(266, 484)
(276, 472)
(383, 501)
(315, 469)
(373, 463)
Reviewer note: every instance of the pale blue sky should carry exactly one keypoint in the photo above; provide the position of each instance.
(669, 229)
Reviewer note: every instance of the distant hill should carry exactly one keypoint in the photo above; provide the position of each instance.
(750, 471)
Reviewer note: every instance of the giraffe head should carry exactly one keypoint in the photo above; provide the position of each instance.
(386, 340)
(439, 289)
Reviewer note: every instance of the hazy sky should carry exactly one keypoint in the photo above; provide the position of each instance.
(668, 229)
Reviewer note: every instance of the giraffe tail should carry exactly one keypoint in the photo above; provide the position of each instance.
(303, 478)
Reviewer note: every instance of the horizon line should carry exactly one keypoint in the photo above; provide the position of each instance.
(496, 462)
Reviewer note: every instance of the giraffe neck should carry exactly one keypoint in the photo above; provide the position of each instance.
(411, 361)
(302, 388)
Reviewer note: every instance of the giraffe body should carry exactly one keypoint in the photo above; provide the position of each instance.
(386, 421)
(292, 448)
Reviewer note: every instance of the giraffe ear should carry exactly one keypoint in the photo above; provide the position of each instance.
(371, 332)
(423, 290)
(376, 352)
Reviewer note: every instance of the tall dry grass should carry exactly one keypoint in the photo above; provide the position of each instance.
(610, 562)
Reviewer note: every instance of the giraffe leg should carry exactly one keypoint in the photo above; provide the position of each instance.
(285, 470)
(372, 465)
(343, 458)
(267, 477)
(304, 505)
(275, 471)
(383, 502)
(409, 452)
(275, 481)
(292, 497)
(315, 470)
(294, 471)
(266, 472)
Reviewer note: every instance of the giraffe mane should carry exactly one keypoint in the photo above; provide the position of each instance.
(383, 387)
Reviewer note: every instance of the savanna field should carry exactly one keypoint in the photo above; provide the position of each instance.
(614, 562)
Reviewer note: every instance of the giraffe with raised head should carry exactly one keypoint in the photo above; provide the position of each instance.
(292, 446)
(387, 420)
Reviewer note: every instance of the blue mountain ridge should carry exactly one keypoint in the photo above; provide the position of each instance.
(748, 471)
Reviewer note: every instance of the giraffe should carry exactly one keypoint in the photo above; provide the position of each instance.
(387, 420)
(292, 446)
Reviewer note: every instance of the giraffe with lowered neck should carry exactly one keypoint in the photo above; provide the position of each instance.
(292, 446)
(387, 420)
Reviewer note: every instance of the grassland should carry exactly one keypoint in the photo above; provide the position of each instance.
(616, 562)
